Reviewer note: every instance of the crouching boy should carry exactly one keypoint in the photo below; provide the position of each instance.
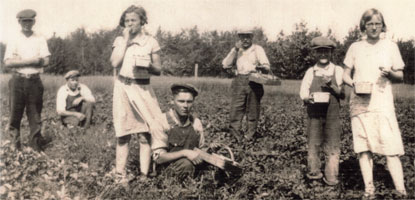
(185, 134)
(74, 102)
(321, 92)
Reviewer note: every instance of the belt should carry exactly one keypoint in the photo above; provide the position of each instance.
(129, 81)
(28, 76)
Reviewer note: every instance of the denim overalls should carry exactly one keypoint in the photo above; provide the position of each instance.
(323, 130)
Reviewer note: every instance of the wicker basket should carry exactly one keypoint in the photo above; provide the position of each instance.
(321, 97)
(264, 79)
(363, 87)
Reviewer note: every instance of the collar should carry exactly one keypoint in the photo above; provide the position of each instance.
(326, 68)
(140, 41)
(69, 89)
(176, 120)
(251, 48)
(21, 34)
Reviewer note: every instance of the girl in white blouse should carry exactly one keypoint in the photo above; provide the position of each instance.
(375, 128)
(135, 107)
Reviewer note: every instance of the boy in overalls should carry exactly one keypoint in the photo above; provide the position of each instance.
(185, 134)
(323, 126)
(74, 102)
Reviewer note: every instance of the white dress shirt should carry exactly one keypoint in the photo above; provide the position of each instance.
(248, 59)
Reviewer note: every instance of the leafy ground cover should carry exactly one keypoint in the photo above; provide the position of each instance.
(75, 164)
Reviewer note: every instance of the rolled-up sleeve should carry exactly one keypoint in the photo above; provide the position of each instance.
(350, 57)
(87, 94)
(262, 57)
(61, 99)
(44, 50)
(228, 60)
(198, 126)
(306, 84)
(398, 63)
(339, 75)
(10, 51)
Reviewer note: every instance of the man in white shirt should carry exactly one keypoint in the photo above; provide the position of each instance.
(246, 95)
(74, 102)
(26, 55)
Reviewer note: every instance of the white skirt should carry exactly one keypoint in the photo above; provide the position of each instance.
(377, 132)
(136, 110)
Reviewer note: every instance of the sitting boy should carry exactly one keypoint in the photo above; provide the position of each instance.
(185, 134)
(74, 102)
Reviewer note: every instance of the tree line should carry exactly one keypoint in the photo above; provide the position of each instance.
(289, 54)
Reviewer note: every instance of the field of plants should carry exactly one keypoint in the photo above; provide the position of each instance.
(75, 164)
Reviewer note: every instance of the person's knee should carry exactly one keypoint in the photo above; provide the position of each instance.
(144, 138)
(185, 166)
(70, 121)
(124, 139)
(392, 157)
(366, 154)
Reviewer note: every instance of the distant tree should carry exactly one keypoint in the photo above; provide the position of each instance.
(291, 55)
(407, 49)
(59, 55)
(2, 51)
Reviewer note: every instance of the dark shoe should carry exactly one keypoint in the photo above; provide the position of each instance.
(43, 142)
(17, 145)
(39, 143)
(315, 175)
(34, 145)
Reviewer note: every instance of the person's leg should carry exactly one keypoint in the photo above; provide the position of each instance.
(34, 106)
(17, 103)
(315, 140)
(332, 131)
(256, 92)
(366, 167)
(87, 110)
(238, 104)
(121, 153)
(145, 152)
(395, 169)
(182, 168)
(70, 121)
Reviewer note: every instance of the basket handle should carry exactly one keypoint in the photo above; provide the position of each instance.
(230, 152)
(222, 146)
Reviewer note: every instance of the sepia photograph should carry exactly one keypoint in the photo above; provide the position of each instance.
(207, 99)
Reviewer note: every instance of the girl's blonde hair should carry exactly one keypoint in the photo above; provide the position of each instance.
(367, 16)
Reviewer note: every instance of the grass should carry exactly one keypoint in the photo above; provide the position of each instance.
(105, 83)
(77, 161)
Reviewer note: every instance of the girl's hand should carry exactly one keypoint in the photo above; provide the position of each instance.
(384, 72)
(126, 33)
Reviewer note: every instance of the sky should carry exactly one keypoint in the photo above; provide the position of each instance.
(64, 16)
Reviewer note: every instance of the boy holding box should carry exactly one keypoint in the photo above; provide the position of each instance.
(321, 91)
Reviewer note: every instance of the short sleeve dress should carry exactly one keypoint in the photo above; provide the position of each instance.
(374, 124)
(135, 106)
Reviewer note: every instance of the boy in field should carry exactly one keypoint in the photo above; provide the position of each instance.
(74, 102)
(185, 134)
(323, 126)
